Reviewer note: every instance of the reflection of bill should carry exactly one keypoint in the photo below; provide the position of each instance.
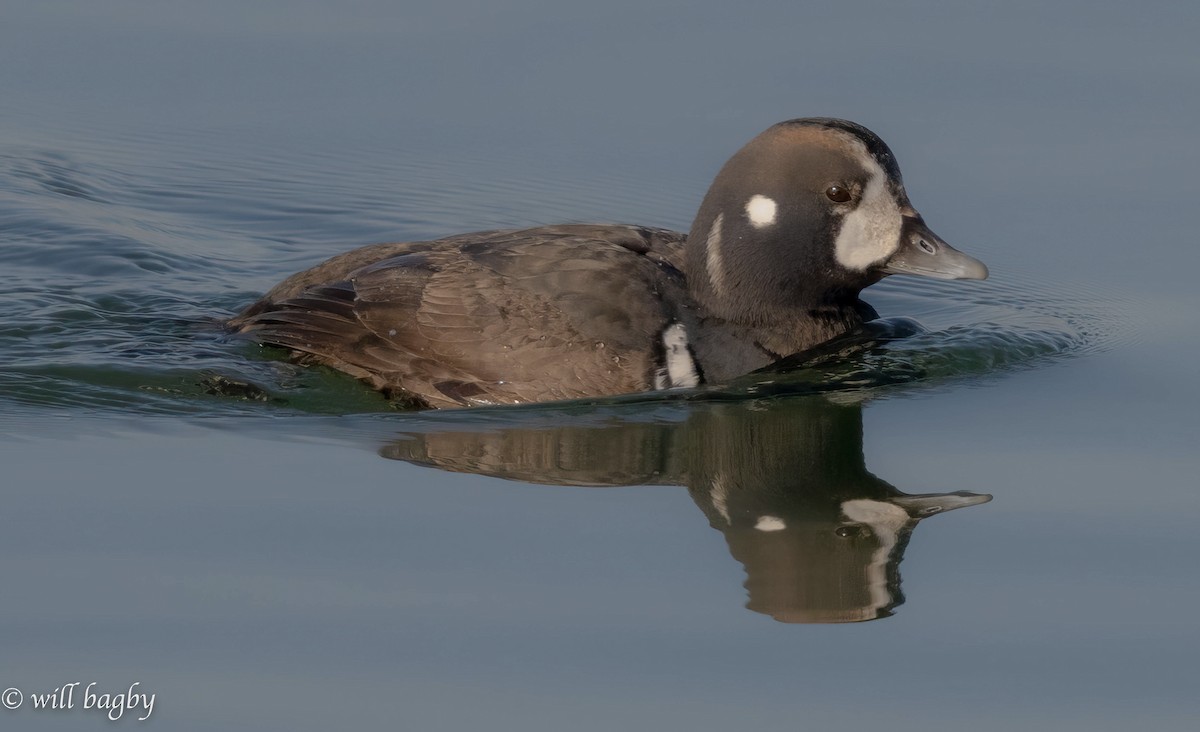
(820, 537)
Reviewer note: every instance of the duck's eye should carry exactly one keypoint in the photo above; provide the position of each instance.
(852, 531)
(837, 194)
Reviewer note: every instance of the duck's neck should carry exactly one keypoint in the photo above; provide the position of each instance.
(780, 293)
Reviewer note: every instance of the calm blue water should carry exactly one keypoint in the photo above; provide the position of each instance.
(300, 556)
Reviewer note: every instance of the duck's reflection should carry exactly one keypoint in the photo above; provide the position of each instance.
(785, 481)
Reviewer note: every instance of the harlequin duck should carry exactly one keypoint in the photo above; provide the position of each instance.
(794, 226)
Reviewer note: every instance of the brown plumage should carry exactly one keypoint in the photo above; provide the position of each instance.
(531, 315)
(794, 226)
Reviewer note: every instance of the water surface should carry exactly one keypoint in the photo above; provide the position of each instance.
(297, 554)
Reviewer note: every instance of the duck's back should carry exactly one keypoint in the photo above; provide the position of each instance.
(499, 317)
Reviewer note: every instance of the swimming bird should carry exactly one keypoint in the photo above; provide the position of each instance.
(794, 226)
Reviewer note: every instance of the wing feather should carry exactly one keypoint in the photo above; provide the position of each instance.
(534, 315)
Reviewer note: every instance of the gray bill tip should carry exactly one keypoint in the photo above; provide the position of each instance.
(925, 254)
(922, 505)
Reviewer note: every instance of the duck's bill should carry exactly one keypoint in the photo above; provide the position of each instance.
(928, 504)
(923, 253)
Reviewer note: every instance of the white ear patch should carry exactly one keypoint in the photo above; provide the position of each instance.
(761, 211)
(871, 232)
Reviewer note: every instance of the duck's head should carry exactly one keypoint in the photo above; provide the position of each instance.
(806, 215)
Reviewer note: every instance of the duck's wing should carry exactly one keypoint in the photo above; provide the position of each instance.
(504, 317)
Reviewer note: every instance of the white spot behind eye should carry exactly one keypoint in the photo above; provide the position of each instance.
(761, 211)
(770, 523)
(871, 232)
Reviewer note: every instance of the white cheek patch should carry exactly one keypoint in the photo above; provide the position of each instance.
(681, 368)
(714, 262)
(761, 211)
(871, 232)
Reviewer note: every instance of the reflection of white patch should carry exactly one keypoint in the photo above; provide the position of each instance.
(761, 211)
(871, 232)
(719, 493)
(716, 266)
(886, 521)
(882, 516)
(770, 523)
(681, 369)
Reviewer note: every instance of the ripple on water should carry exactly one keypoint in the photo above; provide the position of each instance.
(122, 273)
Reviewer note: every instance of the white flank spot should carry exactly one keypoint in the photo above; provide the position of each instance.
(761, 211)
(681, 369)
(770, 523)
(716, 266)
(871, 232)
